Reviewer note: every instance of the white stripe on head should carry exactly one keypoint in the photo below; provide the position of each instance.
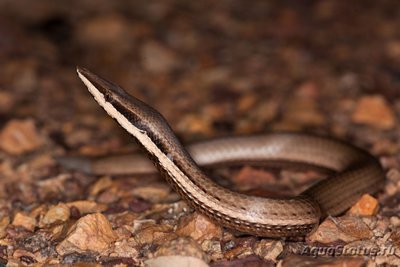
(165, 160)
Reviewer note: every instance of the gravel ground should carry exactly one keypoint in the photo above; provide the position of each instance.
(212, 69)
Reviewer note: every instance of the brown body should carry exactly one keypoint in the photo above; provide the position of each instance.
(357, 172)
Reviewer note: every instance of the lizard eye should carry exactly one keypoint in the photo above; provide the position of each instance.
(107, 97)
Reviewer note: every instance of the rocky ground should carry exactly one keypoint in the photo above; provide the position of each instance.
(212, 69)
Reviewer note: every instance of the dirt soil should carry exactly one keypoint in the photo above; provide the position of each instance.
(212, 68)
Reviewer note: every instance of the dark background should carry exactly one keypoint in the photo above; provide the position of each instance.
(197, 60)
(212, 68)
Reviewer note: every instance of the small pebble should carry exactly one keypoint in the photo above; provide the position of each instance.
(366, 206)
(154, 234)
(58, 213)
(87, 206)
(91, 233)
(20, 136)
(347, 229)
(23, 220)
(198, 227)
(374, 111)
(269, 249)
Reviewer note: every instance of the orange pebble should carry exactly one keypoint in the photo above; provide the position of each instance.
(366, 205)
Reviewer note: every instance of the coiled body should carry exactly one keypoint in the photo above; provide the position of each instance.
(356, 171)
